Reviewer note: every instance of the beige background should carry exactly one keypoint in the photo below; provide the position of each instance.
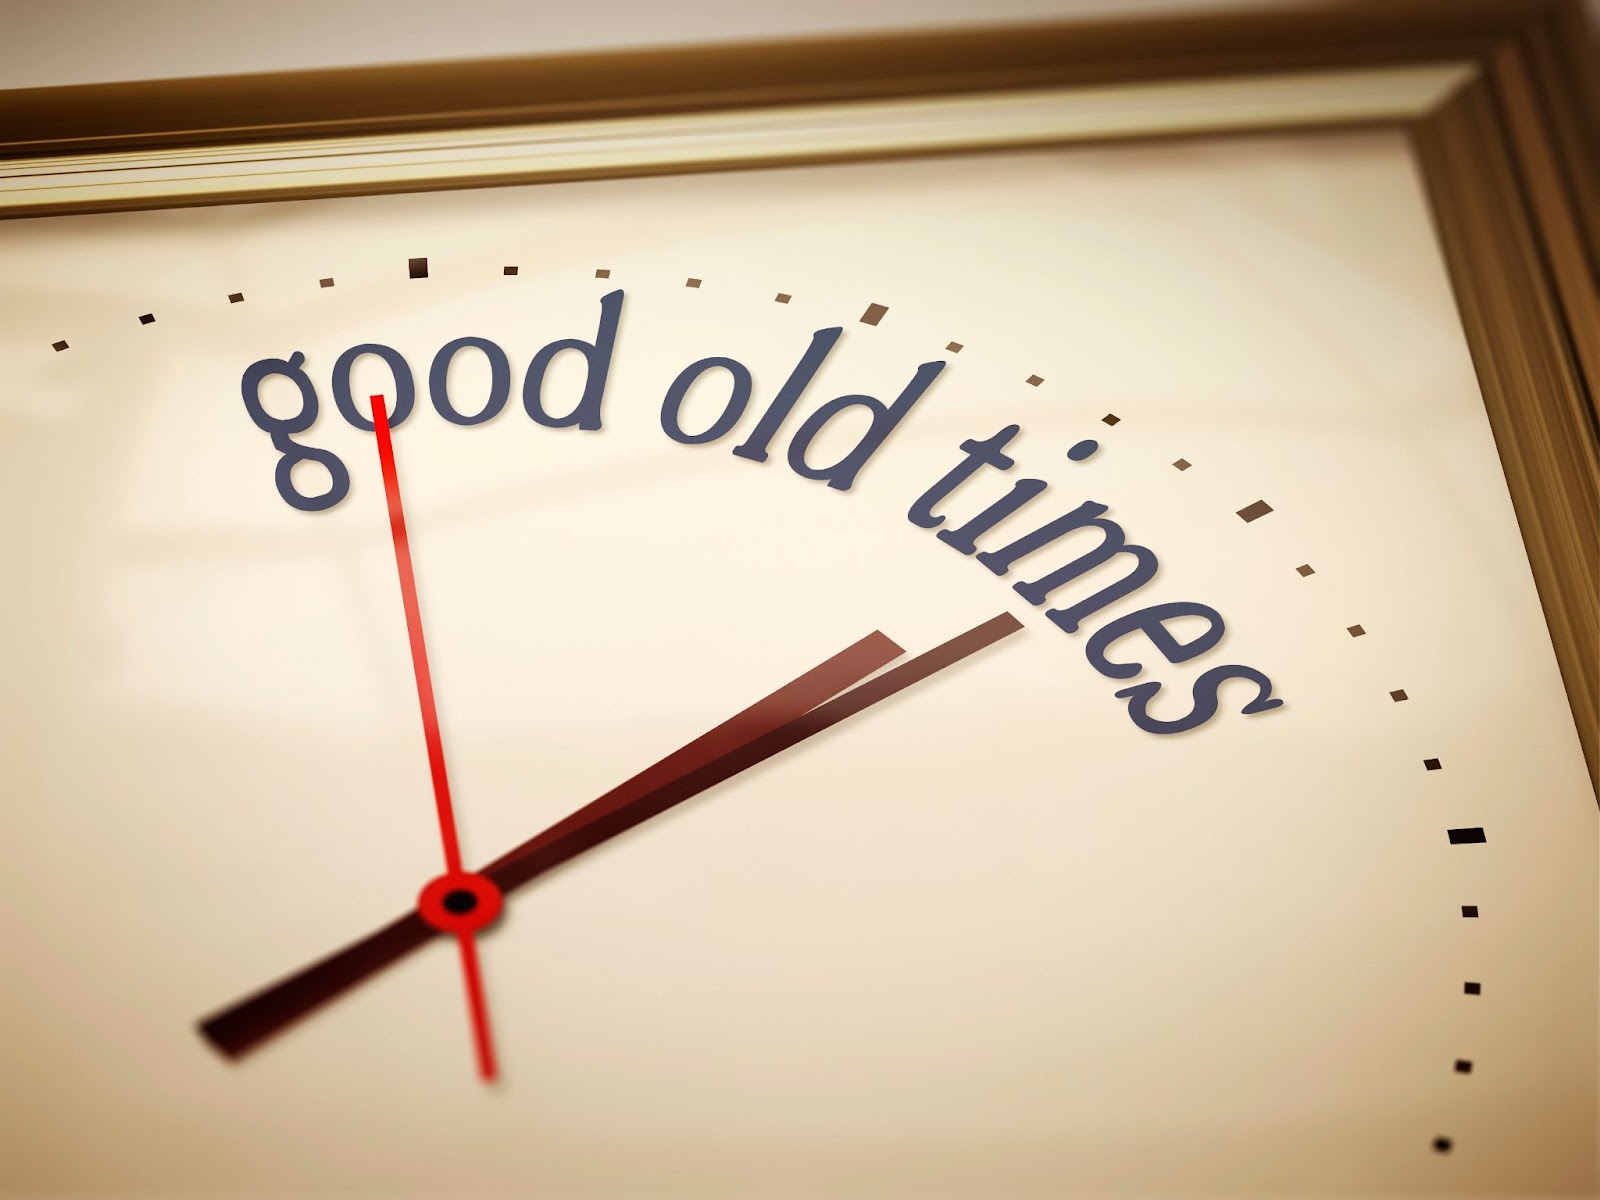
(991, 940)
(97, 41)
(51, 42)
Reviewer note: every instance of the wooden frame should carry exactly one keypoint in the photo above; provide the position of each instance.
(1491, 92)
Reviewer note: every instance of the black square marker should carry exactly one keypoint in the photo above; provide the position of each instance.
(1469, 910)
(953, 347)
(1432, 764)
(418, 267)
(328, 282)
(1254, 512)
(1472, 989)
(1183, 464)
(509, 271)
(1468, 837)
(148, 319)
(782, 298)
(874, 314)
(58, 347)
(1398, 695)
(603, 273)
(235, 297)
(1442, 1144)
(1305, 569)
(1111, 419)
(1463, 1066)
(1356, 631)
(1035, 380)
(691, 282)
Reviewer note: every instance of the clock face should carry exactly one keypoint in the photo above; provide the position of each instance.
(1248, 845)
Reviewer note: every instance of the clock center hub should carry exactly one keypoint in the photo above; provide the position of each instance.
(460, 902)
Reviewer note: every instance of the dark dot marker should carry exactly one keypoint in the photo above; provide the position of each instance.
(874, 314)
(1469, 910)
(603, 273)
(1442, 1145)
(1305, 569)
(1468, 837)
(1432, 764)
(782, 298)
(508, 271)
(1111, 419)
(325, 282)
(235, 297)
(418, 267)
(1083, 450)
(1356, 631)
(1398, 695)
(1472, 989)
(1183, 464)
(1035, 380)
(691, 282)
(459, 901)
(58, 347)
(148, 319)
(1463, 1066)
(1254, 512)
(953, 347)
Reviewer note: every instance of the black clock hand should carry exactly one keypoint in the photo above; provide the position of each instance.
(241, 1027)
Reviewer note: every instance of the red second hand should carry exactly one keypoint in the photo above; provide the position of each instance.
(477, 1009)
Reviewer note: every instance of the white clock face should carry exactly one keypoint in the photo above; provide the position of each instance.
(1006, 932)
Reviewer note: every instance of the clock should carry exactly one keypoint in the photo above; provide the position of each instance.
(993, 676)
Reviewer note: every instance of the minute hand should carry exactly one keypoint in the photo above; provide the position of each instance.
(533, 860)
(243, 1026)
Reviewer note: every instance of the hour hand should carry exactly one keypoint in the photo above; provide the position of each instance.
(242, 1026)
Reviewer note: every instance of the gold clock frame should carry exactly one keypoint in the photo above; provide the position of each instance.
(1490, 93)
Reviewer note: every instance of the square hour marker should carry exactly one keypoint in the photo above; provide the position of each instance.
(1254, 512)
(691, 282)
(1470, 836)
(783, 298)
(1469, 910)
(417, 267)
(1305, 569)
(1463, 1066)
(1472, 989)
(1183, 464)
(1432, 764)
(148, 319)
(1111, 419)
(1442, 1144)
(235, 297)
(874, 314)
(1035, 380)
(328, 282)
(953, 347)
(58, 347)
(508, 271)
(1356, 631)
(603, 273)
(1398, 695)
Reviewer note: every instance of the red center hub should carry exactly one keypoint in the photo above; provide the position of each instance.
(460, 903)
